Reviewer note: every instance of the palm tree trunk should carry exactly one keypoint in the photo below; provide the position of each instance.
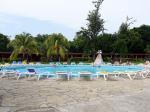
(23, 56)
(57, 55)
(27, 58)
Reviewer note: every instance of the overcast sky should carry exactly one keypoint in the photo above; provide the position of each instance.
(66, 16)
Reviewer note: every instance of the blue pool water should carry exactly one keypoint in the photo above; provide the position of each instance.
(74, 68)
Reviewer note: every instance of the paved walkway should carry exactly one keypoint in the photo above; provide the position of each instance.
(74, 96)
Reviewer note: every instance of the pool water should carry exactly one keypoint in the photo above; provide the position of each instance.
(74, 69)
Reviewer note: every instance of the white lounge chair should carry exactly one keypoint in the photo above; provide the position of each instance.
(20, 74)
(146, 73)
(131, 74)
(63, 74)
(104, 74)
(8, 73)
(85, 74)
(32, 72)
(2, 73)
(73, 63)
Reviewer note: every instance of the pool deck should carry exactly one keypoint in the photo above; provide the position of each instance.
(74, 96)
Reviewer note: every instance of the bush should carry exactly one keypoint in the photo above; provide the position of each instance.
(84, 59)
(138, 61)
(107, 59)
(44, 60)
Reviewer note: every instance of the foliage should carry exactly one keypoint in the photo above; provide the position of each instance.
(128, 41)
(83, 59)
(56, 45)
(105, 42)
(95, 25)
(120, 46)
(4, 40)
(40, 39)
(79, 44)
(144, 31)
(23, 44)
(147, 49)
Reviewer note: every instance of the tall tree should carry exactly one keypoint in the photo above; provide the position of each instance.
(95, 26)
(23, 44)
(4, 40)
(128, 38)
(56, 45)
(144, 31)
(40, 39)
(105, 41)
(79, 45)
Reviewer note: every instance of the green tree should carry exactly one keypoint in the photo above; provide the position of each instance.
(134, 42)
(4, 40)
(23, 44)
(56, 45)
(120, 46)
(95, 25)
(40, 39)
(147, 49)
(79, 45)
(130, 39)
(105, 42)
(144, 31)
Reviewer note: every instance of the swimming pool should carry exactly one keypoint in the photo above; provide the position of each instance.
(73, 68)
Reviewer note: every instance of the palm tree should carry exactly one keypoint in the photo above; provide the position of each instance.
(56, 45)
(23, 44)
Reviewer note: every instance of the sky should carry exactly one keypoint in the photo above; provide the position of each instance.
(66, 16)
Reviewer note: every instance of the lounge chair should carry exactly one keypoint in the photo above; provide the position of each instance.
(73, 63)
(32, 72)
(1, 73)
(145, 73)
(14, 62)
(85, 74)
(80, 63)
(65, 63)
(58, 63)
(7, 73)
(20, 74)
(104, 74)
(63, 74)
(19, 62)
(130, 74)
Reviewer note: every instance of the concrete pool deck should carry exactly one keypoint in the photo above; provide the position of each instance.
(74, 96)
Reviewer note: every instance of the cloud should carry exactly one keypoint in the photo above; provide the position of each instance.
(12, 25)
(73, 13)
(68, 12)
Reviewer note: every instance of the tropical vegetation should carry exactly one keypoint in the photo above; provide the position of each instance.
(88, 40)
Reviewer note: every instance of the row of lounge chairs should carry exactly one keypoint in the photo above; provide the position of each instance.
(59, 74)
(32, 72)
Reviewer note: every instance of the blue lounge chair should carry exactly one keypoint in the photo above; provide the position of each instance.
(19, 62)
(31, 72)
(14, 62)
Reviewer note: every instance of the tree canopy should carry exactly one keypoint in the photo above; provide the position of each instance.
(56, 45)
(94, 27)
(4, 40)
(23, 44)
